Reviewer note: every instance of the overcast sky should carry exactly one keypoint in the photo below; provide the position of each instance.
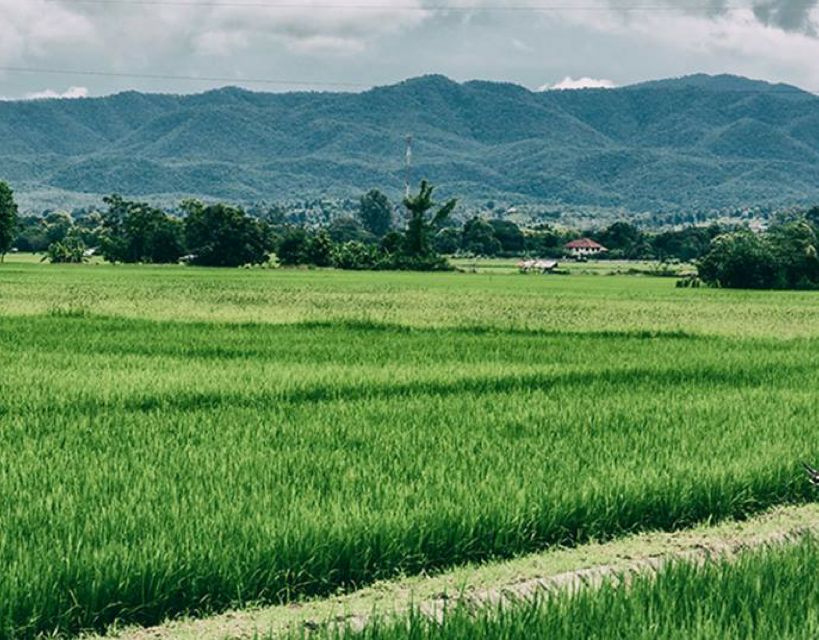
(344, 44)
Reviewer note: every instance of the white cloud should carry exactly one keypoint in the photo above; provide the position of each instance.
(50, 94)
(569, 83)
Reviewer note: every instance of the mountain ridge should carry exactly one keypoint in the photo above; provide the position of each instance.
(695, 142)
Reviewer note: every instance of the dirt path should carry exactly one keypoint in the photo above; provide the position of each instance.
(495, 583)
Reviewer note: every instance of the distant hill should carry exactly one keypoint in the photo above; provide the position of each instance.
(699, 142)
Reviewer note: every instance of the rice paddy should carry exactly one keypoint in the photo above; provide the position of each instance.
(179, 440)
(770, 594)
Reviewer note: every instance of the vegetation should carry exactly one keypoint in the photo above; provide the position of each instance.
(138, 232)
(765, 594)
(223, 236)
(684, 146)
(8, 219)
(785, 257)
(376, 213)
(70, 250)
(182, 441)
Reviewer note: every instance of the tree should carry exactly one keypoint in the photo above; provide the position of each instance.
(622, 239)
(355, 255)
(138, 232)
(812, 216)
(320, 249)
(447, 241)
(292, 249)
(479, 238)
(347, 229)
(220, 235)
(69, 250)
(375, 212)
(740, 260)
(509, 235)
(8, 219)
(793, 246)
(421, 224)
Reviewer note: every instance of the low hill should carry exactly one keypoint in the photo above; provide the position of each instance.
(699, 142)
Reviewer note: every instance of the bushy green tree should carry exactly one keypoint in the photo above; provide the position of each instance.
(447, 240)
(375, 212)
(138, 232)
(355, 255)
(347, 229)
(69, 250)
(221, 235)
(292, 249)
(686, 244)
(479, 238)
(391, 243)
(509, 235)
(544, 242)
(793, 246)
(622, 239)
(741, 259)
(319, 250)
(783, 258)
(32, 235)
(8, 219)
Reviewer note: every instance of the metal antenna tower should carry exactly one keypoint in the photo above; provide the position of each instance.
(408, 168)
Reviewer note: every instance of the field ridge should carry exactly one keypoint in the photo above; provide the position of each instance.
(493, 584)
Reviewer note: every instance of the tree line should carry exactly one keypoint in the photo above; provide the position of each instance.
(224, 235)
(784, 256)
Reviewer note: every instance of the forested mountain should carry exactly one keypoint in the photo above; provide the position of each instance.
(698, 142)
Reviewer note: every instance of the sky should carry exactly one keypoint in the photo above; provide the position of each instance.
(77, 48)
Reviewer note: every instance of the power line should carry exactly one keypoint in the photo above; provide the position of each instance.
(771, 90)
(163, 76)
(407, 7)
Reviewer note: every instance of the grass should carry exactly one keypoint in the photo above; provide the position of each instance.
(175, 440)
(770, 594)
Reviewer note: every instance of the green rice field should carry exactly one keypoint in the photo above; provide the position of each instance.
(770, 594)
(179, 440)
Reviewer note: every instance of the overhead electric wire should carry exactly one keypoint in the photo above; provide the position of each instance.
(164, 76)
(774, 89)
(325, 6)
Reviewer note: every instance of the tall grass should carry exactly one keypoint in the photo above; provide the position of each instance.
(154, 467)
(770, 594)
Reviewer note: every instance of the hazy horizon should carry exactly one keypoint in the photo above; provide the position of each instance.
(77, 48)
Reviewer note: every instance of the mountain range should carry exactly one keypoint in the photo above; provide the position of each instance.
(693, 143)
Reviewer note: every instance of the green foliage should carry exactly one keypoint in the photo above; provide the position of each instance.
(509, 235)
(319, 249)
(69, 250)
(347, 229)
(447, 240)
(623, 241)
(783, 258)
(138, 232)
(479, 238)
(293, 247)
(690, 243)
(220, 235)
(422, 222)
(8, 219)
(375, 212)
(356, 255)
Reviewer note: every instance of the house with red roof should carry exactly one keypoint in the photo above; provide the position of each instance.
(584, 248)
